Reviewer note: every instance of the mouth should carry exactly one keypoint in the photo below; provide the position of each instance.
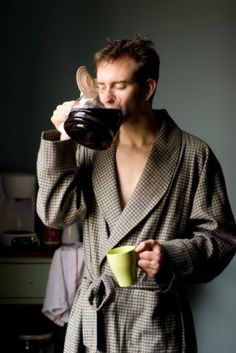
(109, 106)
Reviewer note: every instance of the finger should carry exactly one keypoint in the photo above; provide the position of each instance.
(69, 103)
(145, 245)
(147, 264)
(158, 250)
(66, 106)
(151, 268)
(155, 256)
(59, 116)
(149, 252)
(62, 108)
(146, 255)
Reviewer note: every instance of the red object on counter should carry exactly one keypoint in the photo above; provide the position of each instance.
(51, 236)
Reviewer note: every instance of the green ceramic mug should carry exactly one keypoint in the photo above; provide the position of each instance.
(123, 263)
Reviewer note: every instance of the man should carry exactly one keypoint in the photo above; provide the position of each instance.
(157, 188)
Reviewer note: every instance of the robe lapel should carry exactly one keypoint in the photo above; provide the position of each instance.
(152, 186)
(105, 186)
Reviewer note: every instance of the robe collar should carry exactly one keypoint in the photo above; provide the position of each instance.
(152, 185)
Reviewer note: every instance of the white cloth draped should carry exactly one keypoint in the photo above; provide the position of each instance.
(64, 280)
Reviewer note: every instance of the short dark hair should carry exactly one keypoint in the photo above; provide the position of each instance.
(140, 49)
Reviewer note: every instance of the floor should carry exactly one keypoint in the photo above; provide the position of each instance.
(17, 321)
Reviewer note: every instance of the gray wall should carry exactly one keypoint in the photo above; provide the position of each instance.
(45, 41)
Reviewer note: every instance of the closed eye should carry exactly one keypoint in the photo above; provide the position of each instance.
(101, 86)
(120, 85)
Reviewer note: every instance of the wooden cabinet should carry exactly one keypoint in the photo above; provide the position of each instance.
(23, 280)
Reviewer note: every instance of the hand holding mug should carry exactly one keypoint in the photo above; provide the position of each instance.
(150, 256)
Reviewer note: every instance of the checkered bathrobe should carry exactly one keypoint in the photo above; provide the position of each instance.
(180, 201)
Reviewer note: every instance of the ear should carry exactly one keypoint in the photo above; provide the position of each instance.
(151, 86)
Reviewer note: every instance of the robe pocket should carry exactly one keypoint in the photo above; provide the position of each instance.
(151, 322)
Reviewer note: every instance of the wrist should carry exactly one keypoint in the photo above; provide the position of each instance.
(64, 135)
(166, 276)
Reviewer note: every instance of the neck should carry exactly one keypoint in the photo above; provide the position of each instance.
(139, 132)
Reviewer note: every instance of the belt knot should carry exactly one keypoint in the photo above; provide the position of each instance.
(100, 290)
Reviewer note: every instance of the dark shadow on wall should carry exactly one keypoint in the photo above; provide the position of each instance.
(43, 45)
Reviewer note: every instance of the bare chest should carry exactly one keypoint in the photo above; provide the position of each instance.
(130, 166)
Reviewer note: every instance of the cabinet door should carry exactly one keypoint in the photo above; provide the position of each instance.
(23, 282)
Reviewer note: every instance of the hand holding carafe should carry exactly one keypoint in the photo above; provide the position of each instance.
(60, 115)
(89, 122)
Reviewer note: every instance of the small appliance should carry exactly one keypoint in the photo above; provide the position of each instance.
(17, 210)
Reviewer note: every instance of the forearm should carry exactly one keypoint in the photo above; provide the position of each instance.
(204, 256)
(207, 241)
(57, 170)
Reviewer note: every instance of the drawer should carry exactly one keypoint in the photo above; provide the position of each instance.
(23, 282)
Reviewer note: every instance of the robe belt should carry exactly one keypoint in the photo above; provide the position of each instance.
(98, 292)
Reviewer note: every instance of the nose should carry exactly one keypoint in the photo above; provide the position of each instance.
(107, 96)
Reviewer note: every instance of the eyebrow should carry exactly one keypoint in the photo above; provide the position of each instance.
(115, 82)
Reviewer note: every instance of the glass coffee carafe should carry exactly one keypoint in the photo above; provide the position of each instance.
(89, 122)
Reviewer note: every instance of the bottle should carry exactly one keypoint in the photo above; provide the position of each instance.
(70, 235)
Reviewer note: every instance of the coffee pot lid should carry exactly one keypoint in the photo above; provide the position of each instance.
(86, 83)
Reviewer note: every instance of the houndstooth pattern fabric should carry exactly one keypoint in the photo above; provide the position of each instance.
(180, 201)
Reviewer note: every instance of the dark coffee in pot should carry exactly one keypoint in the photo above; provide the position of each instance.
(94, 128)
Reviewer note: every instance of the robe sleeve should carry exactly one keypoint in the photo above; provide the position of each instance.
(60, 200)
(210, 240)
